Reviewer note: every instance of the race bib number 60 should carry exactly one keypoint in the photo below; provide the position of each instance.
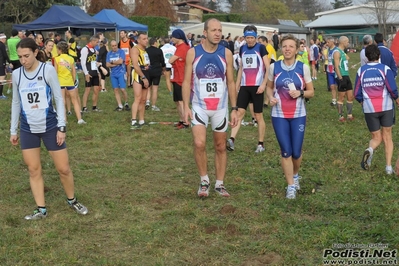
(249, 61)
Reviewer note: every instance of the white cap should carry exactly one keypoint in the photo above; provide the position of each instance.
(3, 36)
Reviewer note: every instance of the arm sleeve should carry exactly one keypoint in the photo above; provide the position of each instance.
(15, 104)
(162, 58)
(306, 74)
(358, 87)
(83, 57)
(52, 80)
(271, 72)
(263, 51)
(390, 83)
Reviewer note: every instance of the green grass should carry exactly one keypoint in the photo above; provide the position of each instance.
(140, 188)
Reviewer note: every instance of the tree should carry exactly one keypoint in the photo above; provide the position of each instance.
(383, 11)
(95, 6)
(20, 11)
(156, 8)
(341, 3)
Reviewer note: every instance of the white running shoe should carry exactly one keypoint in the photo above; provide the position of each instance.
(259, 149)
(291, 192)
(81, 122)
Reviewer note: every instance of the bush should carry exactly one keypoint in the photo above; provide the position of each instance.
(157, 26)
(237, 18)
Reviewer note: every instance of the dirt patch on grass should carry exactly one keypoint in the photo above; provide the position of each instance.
(267, 259)
(230, 229)
(227, 209)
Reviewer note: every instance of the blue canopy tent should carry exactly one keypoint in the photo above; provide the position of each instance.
(61, 17)
(122, 23)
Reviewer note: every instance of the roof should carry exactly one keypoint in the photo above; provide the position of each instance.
(58, 17)
(359, 16)
(287, 22)
(202, 8)
(122, 23)
(194, 4)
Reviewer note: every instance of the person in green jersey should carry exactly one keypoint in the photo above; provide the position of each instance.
(12, 48)
(345, 89)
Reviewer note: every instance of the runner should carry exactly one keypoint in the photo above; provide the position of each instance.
(168, 51)
(126, 44)
(332, 82)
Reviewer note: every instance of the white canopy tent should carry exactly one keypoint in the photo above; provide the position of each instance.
(235, 29)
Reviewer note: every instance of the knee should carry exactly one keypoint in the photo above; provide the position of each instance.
(199, 145)
(34, 171)
(64, 170)
(296, 155)
(220, 146)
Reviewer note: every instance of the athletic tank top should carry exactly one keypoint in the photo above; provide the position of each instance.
(125, 46)
(209, 89)
(330, 57)
(91, 62)
(37, 111)
(343, 63)
(65, 63)
(72, 50)
(253, 67)
(288, 107)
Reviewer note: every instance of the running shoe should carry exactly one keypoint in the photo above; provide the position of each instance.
(388, 170)
(84, 110)
(333, 104)
(155, 108)
(69, 113)
(254, 123)
(177, 124)
(259, 149)
(119, 109)
(81, 122)
(203, 190)
(296, 182)
(136, 126)
(350, 118)
(182, 126)
(78, 207)
(103, 90)
(127, 108)
(341, 119)
(366, 159)
(96, 110)
(36, 215)
(221, 190)
(3, 97)
(230, 145)
(291, 192)
(147, 105)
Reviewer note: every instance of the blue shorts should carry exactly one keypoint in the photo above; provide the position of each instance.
(69, 88)
(290, 133)
(33, 140)
(118, 82)
(331, 79)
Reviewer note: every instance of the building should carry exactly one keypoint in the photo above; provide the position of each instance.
(356, 21)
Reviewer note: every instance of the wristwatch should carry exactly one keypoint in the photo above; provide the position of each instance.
(143, 77)
(302, 93)
(62, 129)
(234, 108)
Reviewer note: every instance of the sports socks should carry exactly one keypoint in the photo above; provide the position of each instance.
(218, 183)
(205, 178)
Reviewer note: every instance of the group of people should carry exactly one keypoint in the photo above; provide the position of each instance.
(203, 83)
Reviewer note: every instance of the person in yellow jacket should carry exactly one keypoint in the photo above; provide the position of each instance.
(71, 45)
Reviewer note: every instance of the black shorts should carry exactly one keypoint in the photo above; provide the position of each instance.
(2, 70)
(168, 69)
(101, 73)
(33, 140)
(94, 81)
(246, 95)
(177, 92)
(375, 121)
(345, 84)
(154, 80)
(15, 64)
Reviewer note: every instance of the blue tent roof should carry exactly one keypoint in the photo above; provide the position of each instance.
(58, 17)
(122, 23)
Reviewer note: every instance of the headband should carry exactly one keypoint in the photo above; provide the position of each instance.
(250, 33)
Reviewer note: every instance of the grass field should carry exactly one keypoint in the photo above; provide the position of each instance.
(140, 188)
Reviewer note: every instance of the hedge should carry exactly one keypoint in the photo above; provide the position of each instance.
(157, 26)
(237, 18)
